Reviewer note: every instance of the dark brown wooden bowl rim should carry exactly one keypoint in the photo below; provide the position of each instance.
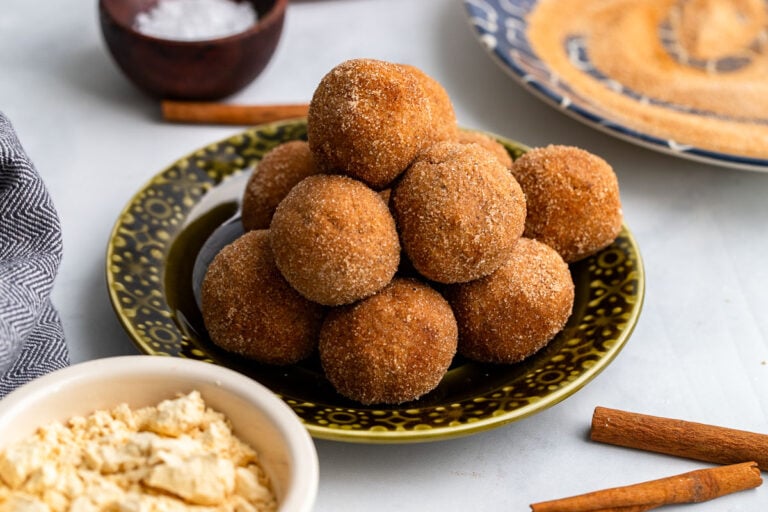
(272, 16)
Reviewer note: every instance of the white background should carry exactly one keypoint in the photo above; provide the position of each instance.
(699, 352)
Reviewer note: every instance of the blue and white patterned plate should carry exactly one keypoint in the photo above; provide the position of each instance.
(501, 27)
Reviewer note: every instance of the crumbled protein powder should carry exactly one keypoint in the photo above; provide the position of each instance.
(179, 455)
(196, 20)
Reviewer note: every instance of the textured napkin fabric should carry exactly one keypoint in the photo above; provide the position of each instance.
(31, 335)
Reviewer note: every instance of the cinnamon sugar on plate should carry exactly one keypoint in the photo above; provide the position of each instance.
(653, 66)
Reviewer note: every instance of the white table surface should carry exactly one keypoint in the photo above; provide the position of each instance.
(699, 351)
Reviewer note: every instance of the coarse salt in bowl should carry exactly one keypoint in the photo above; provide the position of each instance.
(191, 49)
(196, 20)
(258, 417)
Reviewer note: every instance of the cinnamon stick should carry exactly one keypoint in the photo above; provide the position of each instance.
(678, 437)
(693, 487)
(224, 113)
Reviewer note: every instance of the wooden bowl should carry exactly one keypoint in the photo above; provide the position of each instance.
(190, 70)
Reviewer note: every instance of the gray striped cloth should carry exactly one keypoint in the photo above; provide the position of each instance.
(31, 336)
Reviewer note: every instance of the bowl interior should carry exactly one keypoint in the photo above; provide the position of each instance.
(258, 417)
(123, 12)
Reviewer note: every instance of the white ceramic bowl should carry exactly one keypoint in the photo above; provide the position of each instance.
(258, 416)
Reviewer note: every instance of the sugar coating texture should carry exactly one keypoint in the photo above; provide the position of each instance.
(443, 117)
(250, 309)
(392, 347)
(573, 200)
(275, 175)
(368, 119)
(514, 312)
(459, 212)
(488, 142)
(334, 240)
(716, 29)
(177, 455)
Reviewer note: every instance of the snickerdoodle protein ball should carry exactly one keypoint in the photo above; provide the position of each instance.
(368, 119)
(459, 212)
(443, 123)
(248, 308)
(572, 197)
(334, 239)
(392, 347)
(488, 142)
(275, 175)
(514, 312)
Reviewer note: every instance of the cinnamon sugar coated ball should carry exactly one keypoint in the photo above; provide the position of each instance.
(572, 197)
(275, 175)
(514, 312)
(334, 240)
(390, 348)
(396, 240)
(488, 142)
(459, 212)
(249, 309)
(368, 119)
(443, 123)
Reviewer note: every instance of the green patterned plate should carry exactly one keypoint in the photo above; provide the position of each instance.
(150, 260)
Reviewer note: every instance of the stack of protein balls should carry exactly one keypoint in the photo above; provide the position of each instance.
(392, 240)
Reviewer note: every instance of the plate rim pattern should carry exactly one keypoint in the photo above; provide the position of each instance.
(477, 13)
